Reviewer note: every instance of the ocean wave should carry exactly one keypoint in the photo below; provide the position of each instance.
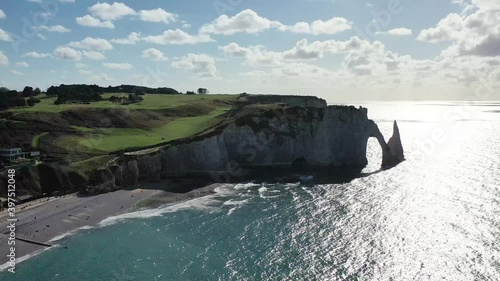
(69, 233)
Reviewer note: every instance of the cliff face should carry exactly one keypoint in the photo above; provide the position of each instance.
(328, 137)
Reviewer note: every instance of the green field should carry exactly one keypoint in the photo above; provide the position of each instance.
(152, 102)
(115, 139)
(156, 120)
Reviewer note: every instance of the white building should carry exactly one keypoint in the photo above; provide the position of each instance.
(16, 153)
(11, 153)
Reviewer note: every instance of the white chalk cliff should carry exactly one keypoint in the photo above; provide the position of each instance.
(260, 136)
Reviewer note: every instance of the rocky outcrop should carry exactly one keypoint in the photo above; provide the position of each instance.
(330, 137)
(55, 177)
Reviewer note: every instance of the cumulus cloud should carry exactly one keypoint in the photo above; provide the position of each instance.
(157, 15)
(90, 43)
(473, 34)
(4, 60)
(246, 21)
(93, 55)
(177, 37)
(2, 14)
(398, 32)
(154, 54)
(303, 50)
(331, 26)
(111, 12)
(234, 50)
(131, 39)
(118, 66)
(67, 53)
(91, 21)
(53, 28)
(36, 55)
(201, 64)
(22, 64)
(4, 36)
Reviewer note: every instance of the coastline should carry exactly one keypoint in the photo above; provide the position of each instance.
(58, 217)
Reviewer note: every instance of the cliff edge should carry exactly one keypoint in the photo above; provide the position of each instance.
(266, 136)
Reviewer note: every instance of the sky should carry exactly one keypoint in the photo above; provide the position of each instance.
(337, 49)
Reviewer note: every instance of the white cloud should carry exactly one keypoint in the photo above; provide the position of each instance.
(234, 50)
(90, 21)
(67, 53)
(154, 54)
(4, 36)
(131, 39)
(114, 11)
(447, 29)
(90, 43)
(22, 64)
(249, 21)
(41, 36)
(177, 37)
(303, 50)
(2, 14)
(36, 55)
(398, 32)
(118, 66)
(331, 26)
(254, 55)
(53, 28)
(4, 60)
(246, 21)
(201, 64)
(94, 55)
(475, 34)
(16, 72)
(157, 15)
(80, 65)
(66, 1)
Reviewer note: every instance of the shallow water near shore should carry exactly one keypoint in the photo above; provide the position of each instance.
(436, 216)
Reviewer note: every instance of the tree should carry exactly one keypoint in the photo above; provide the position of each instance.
(190, 93)
(202, 91)
(134, 98)
(28, 92)
(21, 102)
(37, 91)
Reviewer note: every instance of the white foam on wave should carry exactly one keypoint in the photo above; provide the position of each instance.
(204, 203)
(232, 202)
(69, 233)
(242, 186)
(24, 258)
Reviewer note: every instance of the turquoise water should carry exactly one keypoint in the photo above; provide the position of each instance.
(434, 217)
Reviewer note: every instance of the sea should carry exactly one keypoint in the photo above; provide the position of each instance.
(436, 216)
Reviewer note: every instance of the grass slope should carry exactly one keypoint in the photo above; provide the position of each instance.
(151, 101)
(156, 120)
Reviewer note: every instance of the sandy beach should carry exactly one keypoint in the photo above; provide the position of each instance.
(44, 220)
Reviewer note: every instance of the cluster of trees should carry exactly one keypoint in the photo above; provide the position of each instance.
(137, 90)
(82, 93)
(13, 98)
(74, 93)
(132, 98)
